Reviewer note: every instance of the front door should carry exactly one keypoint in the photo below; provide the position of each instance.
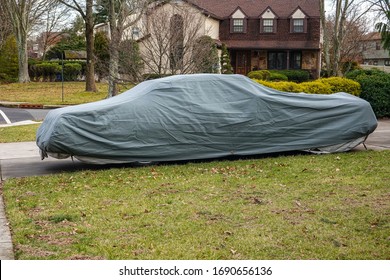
(242, 62)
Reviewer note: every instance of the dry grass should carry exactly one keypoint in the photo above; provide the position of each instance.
(289, 207)
(51, 93)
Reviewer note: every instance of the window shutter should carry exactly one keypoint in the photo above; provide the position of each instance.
(305, 25)
(275, 25)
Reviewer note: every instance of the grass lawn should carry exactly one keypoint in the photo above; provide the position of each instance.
(20, 133)
(51, 93)
(333, 206)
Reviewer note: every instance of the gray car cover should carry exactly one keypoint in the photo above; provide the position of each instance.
(204, 116)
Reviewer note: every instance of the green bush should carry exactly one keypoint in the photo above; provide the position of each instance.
(278, 77)
(321, 86)
(282, 86)
(71, 71)
(9, 61)
(46, 71)
(376, 90)
(338, 84)
(298, 76)
(350, 66)
(316, 87)
(259, 75)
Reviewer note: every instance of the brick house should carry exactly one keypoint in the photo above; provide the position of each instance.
(268, 34)
(259, 34)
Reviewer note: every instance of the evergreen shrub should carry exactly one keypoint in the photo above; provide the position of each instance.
(71, 71)
(339, 84)
(321, 86)
(298, 76)
(316, 87)
(282, 86)
(278, 77)
(259, 75)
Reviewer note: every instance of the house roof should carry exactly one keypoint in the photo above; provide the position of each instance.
(373, 36)
(254, 8)
(69, 54)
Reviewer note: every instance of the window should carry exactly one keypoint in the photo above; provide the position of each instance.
(238, 25)
(295, 60)
(378, 46)
(268, 25)
(387, 62)
(277, 60)
(298, 25)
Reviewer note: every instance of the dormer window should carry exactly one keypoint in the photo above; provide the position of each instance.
(238, 22)
(268, 25)
(298, 20)
(238, 25)
(298, 25)
(268, 21)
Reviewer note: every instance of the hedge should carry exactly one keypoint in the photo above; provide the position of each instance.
(72, 71)
(281, 75)
(259, 75)
(48, 71)
(282, 86)
(321, 86)
(338, 84)
(298, 76)
(278, 77)
(375, 85)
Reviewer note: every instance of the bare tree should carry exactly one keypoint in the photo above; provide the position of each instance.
(86, 12)
(5, 25)
(351, 45)
(24, 14)
(326, 38)
(122, 14)
(347, 13)
(52, 23)
(172, 39)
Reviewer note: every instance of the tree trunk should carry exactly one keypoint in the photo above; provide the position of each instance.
(23, 75)
(325, 45)
(113, 71)
(341, 10)
(113, 67)
(90, 84)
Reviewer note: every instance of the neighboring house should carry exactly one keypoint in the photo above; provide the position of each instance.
(373, 52)
(269, 34)
(259, 34)
(44, 42)
(169, 36)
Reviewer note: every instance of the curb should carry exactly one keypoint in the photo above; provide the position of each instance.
(6, 246)
(25, 105)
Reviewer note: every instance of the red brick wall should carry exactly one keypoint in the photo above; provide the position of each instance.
(283, 34)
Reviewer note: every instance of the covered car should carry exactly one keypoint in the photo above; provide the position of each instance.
(201, 116)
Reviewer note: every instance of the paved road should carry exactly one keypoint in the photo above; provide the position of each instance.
(13, 115)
